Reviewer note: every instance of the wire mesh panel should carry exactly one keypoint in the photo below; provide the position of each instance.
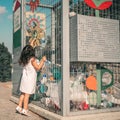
(84, 86)
(43, 26)
(80, 7)
(94, 84)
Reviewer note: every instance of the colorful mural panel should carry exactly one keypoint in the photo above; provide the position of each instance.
(35, 28)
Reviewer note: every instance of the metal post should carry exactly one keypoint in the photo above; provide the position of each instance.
(23, 29)
(97, 13)
(65, 56)
(99, 87)
(53, 34)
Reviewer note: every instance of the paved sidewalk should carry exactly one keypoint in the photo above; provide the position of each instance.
(7, 108)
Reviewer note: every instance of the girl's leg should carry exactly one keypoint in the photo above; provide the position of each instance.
(21, 99)
(26, 101)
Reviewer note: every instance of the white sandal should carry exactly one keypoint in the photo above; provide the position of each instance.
(18, 109)
(25, 112)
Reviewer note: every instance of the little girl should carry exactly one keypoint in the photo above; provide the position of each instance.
(29, 76)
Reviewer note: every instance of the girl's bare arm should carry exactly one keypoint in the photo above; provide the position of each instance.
(36, 65)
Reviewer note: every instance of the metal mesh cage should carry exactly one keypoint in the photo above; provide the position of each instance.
(89, 85)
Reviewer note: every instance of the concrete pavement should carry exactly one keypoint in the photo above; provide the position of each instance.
(7, 107)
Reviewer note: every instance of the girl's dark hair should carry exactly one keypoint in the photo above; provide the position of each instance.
(27, 53)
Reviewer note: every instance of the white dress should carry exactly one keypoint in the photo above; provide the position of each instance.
(28, 80)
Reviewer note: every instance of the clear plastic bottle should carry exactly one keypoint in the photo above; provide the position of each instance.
(44, 80)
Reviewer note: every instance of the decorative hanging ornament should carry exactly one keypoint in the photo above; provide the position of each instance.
(99, 4)
(34, 4)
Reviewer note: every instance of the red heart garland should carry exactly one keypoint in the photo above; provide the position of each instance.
(34, 5)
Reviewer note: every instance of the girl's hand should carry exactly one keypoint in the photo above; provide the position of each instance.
(32, 43)
(44, 58)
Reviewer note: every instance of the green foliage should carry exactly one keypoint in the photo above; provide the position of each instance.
(5, 64)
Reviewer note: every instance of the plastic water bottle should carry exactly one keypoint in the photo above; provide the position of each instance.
(47, 62)
(44, 80)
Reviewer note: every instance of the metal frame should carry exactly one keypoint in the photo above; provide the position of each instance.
(65, 58)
